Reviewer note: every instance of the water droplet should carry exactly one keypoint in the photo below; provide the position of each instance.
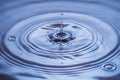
(12, 38)
(65, 41)
(109, 67)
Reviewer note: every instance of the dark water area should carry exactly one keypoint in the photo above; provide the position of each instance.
(59, 39)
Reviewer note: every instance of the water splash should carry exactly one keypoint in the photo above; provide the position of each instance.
(49, 40)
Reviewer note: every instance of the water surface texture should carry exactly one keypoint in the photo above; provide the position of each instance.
(59, 40)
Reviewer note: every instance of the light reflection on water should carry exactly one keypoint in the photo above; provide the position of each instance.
(59, 40)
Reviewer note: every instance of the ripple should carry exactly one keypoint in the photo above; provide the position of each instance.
(46, 38)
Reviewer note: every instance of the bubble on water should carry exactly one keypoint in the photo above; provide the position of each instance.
(109, 67)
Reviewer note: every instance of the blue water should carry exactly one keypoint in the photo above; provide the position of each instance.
(59, 40)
